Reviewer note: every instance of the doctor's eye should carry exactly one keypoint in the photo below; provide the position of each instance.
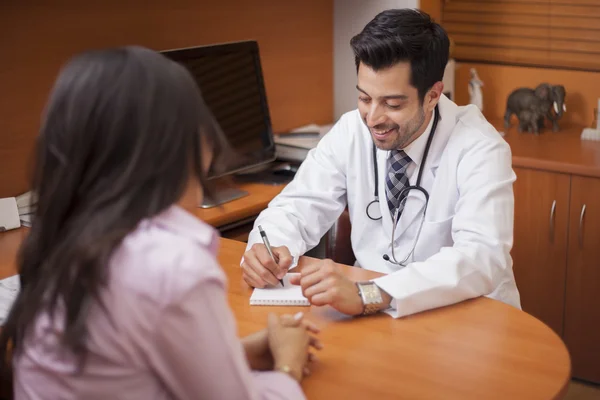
(365, 100)
(393, 106)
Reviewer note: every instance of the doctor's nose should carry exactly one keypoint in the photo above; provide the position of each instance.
(375, 116)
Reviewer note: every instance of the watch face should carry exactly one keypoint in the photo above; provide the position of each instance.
(372, 294)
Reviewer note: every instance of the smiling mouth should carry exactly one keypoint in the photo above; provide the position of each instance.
(382, 133)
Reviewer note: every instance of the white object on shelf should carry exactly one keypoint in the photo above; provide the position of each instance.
(475, 94)
(590, 134)
(9, 214)
(9, 289)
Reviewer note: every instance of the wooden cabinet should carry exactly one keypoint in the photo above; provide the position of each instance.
(582, 307)
(556, 250)
(540, 243)
(556, 256)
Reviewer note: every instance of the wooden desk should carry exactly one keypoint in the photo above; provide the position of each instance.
(235, 219)
(478, 349)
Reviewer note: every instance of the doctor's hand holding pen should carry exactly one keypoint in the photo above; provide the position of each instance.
(262, 268)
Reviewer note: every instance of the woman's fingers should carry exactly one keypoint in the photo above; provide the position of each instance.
(311, 359)
(316, 343)
(311, 327)
(292, 320)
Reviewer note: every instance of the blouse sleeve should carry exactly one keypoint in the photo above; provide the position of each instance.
(198, 354)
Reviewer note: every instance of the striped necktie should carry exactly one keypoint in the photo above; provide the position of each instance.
(396, 180)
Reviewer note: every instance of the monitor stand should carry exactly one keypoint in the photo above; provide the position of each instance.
(226, 189)
(222, 196)
(275, 174)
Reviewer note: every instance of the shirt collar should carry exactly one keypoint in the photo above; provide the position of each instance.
(181, 222)
(415, 149)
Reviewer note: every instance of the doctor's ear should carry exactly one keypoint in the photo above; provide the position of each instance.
(433, 96)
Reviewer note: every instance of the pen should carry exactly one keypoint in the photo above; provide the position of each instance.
(265, 240)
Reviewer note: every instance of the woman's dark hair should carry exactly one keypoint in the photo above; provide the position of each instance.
(404, 35)
(122, 135)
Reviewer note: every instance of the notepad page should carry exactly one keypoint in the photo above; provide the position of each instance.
(286, 295)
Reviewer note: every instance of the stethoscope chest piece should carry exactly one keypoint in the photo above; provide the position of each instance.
(374, 210)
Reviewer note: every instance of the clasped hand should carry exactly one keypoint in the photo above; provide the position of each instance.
(287, 342)
(322, 282)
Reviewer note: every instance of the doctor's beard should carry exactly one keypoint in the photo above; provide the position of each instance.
(402, 136)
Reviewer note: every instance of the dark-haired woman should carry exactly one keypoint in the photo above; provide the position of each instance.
(121, 293)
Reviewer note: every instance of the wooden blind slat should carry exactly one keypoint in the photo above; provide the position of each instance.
(554, 33)
(577, 2)
(527, 57)
(527, 43)
(523, 9)
(455, 28)
(537, 2)
(525, 20)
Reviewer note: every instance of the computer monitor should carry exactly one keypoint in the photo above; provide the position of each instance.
(230, 78)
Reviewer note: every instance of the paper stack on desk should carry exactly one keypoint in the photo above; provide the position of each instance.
(9, 289)
(288, 295)
(295, 145)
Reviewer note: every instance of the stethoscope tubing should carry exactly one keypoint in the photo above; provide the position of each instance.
(406, 190)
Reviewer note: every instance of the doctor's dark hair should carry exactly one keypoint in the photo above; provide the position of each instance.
(404, 35)
(123, 133)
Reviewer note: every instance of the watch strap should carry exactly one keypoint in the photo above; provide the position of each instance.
(369, 305)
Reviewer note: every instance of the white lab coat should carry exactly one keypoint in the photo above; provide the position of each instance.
(464, 246)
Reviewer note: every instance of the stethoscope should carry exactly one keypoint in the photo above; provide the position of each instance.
(373, 209)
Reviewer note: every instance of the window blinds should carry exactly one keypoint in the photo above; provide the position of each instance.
(550, 33)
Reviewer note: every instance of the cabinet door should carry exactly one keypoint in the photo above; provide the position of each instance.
(582, 317)
(540, 243)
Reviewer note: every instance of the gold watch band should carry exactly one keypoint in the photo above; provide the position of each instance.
(368, 307)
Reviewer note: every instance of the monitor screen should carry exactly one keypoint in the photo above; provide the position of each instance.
(230, 78)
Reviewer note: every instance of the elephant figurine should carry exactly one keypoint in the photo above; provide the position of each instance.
(530, 121)
(549, 99)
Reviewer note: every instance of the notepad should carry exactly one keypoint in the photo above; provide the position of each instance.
(288, 295)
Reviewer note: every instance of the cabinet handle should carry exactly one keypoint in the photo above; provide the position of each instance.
(552, 211)
(581, 226)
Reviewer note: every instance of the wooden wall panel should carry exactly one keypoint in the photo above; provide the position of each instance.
(583, 88)
(36, 38)
(433, 8)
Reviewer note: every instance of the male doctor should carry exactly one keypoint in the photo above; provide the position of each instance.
(428, 186)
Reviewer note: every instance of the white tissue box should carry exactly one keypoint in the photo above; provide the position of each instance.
(9, 214)
(590, 134)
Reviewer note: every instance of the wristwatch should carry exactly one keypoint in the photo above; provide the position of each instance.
(371, 297)
(286, 369)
